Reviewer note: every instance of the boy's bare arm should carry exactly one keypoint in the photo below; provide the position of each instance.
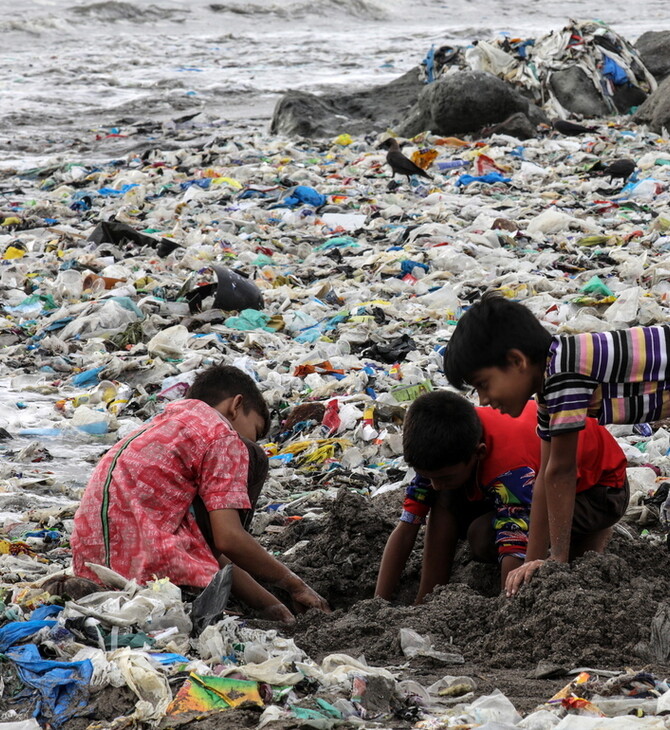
(235, 543)
(560, 481)
(397, 551)
(255, 596)
(439, 548)
(538, 534)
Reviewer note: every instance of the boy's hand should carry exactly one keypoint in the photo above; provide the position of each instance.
(278, 612)
(305, 598)
(521, 576)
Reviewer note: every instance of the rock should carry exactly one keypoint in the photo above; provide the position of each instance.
(654, 49)
(655, 112)
(466, 101)
(518, 125)
(575, 92)
(360, 112)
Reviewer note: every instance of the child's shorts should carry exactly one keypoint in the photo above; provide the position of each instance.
(599, 508)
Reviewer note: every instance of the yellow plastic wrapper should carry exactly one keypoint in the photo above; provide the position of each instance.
(16, 547)
(231, 182)
(11, 220)
(343, 139)
(13, 252)
(424, 158)
(581, 678)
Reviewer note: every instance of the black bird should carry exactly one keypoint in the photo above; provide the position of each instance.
(399, 163)
(622, 168)
(571, 129)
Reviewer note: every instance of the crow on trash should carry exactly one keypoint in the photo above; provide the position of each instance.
(399, 163)
(622, 168)
(571, 129)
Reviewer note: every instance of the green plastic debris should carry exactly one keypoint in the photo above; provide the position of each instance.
(329, 709)
(407, 393)
(595, 285)
(249, 319)
(593, 240)
(263, 260)
(337, 242)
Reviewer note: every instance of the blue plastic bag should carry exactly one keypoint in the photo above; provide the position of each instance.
(306, 195)
(614, 72)
(490, 177)
(62, 686)
(87, 377)
(17, 631)
(43, 612)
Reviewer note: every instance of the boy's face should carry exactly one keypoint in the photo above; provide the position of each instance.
(506, 389)
(249, 425)
(451, 477)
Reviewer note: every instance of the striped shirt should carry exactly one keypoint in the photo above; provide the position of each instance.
(616, 377)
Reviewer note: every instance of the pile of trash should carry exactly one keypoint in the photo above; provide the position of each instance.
(559, 70)
(127, 658)
(337, 291)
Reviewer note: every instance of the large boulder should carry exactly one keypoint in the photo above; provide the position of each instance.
(655, 112)
(359, 112)
(654, 49)
(575, 92)
(466, 101)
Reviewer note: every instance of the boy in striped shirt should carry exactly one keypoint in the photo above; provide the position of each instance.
(501, 349)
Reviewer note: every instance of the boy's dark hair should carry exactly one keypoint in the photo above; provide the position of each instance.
(216, 384)
(441, 429)
(487, 332)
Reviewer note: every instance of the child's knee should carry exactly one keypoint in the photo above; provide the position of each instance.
(481, 539)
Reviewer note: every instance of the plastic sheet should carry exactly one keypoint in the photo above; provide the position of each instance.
(63, 687)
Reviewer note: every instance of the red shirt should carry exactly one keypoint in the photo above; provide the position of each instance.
(513, 442)
(513, 456)
(135, 513)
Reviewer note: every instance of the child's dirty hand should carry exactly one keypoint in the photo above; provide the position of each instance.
(520, 576)
(305, 598)
(278, 612)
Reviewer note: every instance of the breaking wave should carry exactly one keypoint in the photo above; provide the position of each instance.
(362, 9)
(110, 11)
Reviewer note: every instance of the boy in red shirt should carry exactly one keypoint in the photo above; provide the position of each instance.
(172, 498)
(475, 473)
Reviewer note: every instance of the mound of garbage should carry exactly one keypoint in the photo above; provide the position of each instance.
(585, 69)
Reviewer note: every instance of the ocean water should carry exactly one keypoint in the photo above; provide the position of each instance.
(73, 71)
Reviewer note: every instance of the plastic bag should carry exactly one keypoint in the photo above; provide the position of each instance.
(145, 681)
(170, 343)
(413, 644)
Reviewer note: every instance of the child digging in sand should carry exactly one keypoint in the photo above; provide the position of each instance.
(475, 474)
(172, 499)
(502, 350)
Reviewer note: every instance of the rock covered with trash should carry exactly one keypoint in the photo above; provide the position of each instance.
(337, 292)
(587, 69)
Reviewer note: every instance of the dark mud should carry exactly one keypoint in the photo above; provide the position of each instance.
(342, 557)
(596, 611)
